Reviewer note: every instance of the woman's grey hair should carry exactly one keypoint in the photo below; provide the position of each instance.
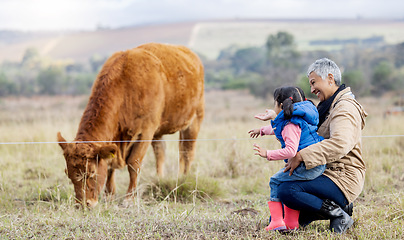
(324, 66)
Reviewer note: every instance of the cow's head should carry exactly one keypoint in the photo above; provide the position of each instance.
(87, 168)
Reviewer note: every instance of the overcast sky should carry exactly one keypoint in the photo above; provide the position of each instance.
(88, 14)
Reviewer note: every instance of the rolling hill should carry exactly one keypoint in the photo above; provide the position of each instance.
(206, 38)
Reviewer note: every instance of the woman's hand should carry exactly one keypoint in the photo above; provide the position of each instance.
(254, 133)
(269, 114)
(260, 151)
(293, 163)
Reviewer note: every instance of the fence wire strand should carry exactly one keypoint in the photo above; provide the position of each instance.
(171, 140)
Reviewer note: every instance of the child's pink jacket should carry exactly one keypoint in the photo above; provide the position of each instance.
(291, 134)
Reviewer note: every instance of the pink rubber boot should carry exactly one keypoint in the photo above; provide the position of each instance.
(277, 223)
(291, 218)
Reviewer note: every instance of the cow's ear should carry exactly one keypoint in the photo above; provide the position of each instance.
(62, 142)
(107, 152)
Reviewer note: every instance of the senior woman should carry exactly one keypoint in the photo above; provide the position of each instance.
(342, 119)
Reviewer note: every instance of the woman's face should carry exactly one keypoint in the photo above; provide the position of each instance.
(323, 89)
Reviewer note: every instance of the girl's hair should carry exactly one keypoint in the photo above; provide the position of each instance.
(287, 96)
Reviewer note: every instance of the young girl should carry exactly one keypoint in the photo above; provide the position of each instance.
(294, 125)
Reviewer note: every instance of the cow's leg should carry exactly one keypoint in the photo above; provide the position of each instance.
(134, 161)
(110, 185)
(188, 138)
(159, 148)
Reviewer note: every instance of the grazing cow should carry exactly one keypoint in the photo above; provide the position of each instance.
(139, 95)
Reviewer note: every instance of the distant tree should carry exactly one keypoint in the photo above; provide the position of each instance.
(96, 62)
(276, 42)
(382, 77)
(282, 66)
(243, 81)
(398, 79)
(31, 57)
(227, 53)
(218, 79)
(49, 80)
(25, 82)
(399, 55)
(355, 79)
(248, 60)
(75, 68)
(7, 87)
(30, 53)
(79, 84)
(260, 88)
(3, 85)
(281, 49)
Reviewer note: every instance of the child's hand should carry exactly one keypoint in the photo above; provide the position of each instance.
(268, 115)
(254, 133)
(260, 151)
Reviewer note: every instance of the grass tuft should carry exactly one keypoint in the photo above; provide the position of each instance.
(185, 189)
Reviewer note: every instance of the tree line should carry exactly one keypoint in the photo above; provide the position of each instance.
(368, 69)
(37, 75)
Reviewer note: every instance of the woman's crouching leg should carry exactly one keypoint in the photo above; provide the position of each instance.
(294, 195)
(308, 197)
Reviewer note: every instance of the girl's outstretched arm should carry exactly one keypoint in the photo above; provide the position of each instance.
(267, 115)
(254, 133)
(291, 134)
(260, 151)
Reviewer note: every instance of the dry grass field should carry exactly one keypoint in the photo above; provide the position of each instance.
(223, 198)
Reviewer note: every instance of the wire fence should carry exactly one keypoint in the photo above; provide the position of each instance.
(170, 140)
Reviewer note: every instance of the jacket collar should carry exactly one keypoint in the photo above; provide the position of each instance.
(347, 95)
(342, 94)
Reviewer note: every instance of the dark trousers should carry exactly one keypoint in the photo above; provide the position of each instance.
(308, 196)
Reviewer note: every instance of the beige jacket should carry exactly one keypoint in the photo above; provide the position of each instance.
(341, 149)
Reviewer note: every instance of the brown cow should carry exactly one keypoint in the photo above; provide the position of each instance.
(139, 95)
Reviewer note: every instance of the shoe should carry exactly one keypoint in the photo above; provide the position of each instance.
(277, 223)
(340, 220)
(291, 218)
(349, 209)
